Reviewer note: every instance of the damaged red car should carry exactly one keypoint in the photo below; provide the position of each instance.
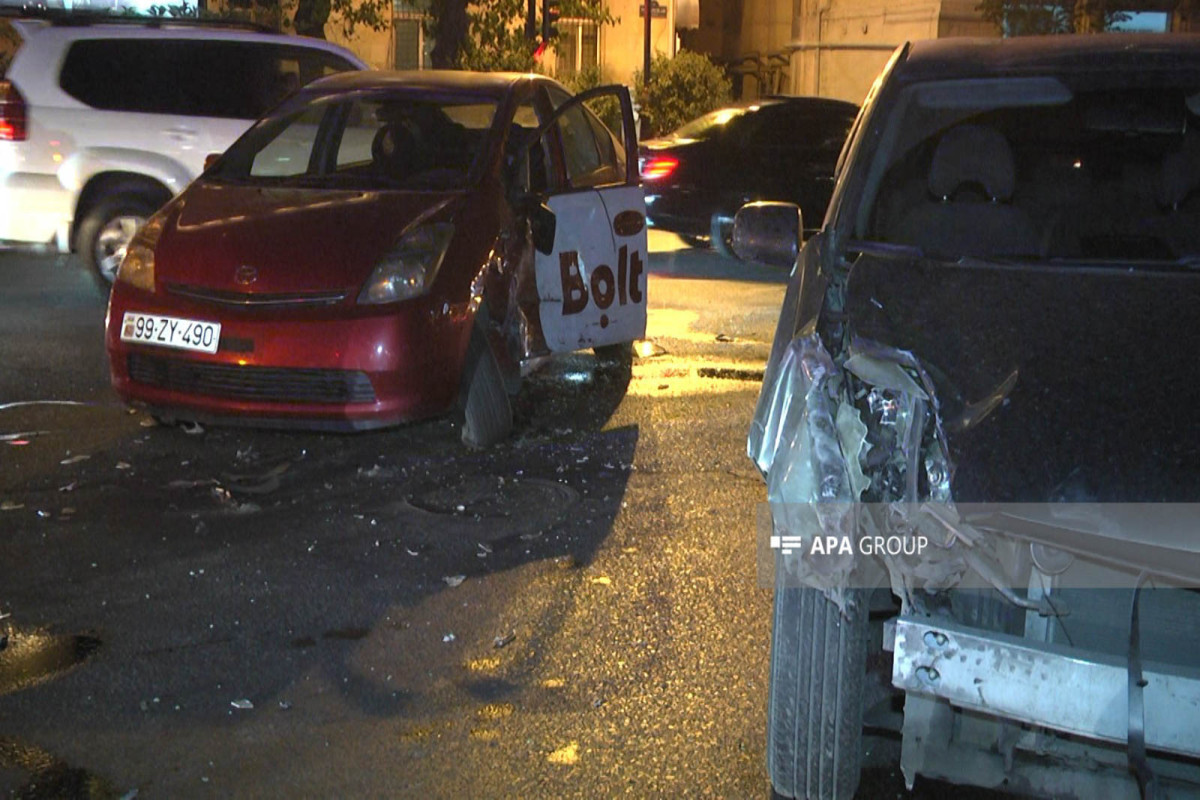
(384, 247)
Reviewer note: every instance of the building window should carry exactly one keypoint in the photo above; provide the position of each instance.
(577, 47)
(409, 36)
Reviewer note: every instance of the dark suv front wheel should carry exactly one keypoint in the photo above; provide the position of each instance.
(815, 710)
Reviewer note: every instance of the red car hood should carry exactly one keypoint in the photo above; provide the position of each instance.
(294, 240)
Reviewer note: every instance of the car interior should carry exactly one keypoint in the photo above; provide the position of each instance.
(1047, 172)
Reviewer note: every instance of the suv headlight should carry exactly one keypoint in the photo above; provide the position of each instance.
(408, 269)
(137, 267)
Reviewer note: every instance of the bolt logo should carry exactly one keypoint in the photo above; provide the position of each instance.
(605, 287)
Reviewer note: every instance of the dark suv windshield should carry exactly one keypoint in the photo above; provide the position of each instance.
(374, 141)
(1046, 167)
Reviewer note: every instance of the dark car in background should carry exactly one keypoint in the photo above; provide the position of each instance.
(979, 416)
(776, 148)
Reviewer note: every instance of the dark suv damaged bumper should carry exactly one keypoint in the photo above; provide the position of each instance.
(866, 455)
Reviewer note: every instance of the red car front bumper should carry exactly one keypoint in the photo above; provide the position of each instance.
(335, 367)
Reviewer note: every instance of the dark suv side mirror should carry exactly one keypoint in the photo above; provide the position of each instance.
(769, 232)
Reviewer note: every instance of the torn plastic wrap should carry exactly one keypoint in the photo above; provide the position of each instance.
(856, 454)
(808, 485)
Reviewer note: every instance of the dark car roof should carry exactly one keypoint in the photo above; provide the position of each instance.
(951, 58)
(495, 84)
(778, 99)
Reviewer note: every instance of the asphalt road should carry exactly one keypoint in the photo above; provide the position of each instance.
(243, 613)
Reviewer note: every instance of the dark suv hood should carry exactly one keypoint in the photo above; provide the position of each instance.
(296, 240)
(1057, 382)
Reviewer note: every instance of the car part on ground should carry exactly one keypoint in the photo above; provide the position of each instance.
(946, 413)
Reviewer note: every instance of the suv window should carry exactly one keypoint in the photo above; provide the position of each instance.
(190, 77)
(795, 125)
(10, 42)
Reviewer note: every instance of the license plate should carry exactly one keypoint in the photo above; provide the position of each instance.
(183, 334)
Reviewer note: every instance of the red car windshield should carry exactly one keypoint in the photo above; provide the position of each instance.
(365, 141)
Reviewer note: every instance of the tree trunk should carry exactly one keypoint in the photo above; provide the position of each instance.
(451, 16)
(311, 16)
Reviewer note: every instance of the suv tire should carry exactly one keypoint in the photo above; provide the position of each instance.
(109, 226)
(815, 708)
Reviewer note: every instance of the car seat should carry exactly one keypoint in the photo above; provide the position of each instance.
(397, 152)
(972, 176)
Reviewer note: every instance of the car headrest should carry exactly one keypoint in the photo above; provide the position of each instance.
(973, 154)
(394, 149)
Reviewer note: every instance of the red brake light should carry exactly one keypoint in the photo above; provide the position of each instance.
(12, 113)
(658, 167)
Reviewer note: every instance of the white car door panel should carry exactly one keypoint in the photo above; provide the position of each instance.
(591, 292)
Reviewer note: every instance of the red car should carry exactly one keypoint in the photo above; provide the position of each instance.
(380, 247)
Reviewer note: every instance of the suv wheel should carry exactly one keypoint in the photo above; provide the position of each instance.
(107, 229)
(815, 707)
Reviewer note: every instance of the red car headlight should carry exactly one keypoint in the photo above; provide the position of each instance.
(408, 269)
(137, 267)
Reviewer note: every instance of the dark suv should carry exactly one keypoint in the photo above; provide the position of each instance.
(978, 423)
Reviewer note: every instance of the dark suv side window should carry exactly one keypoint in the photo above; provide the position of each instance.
(795, 125)
(190, 77)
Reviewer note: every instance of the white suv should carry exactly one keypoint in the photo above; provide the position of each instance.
(103, 119)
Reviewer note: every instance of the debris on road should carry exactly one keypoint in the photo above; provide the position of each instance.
(504, 640)
(66, 462)
(645, 348)
(242, 705)
(567, 756)
(186, 484)
(263, 483)
(449, 637)
(232, 505)
(191, 428)
(454, 580)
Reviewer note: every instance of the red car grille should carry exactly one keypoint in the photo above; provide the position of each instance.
(249, 300)
(270, 384)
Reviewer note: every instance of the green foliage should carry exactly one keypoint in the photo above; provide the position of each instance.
(311, 15)
(491, 35)
(1036, 17)
(496, 38)
(681, 89)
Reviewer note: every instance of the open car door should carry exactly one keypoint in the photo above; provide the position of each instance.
(592, 283)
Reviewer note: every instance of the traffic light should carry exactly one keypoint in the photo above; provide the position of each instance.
(550, 14)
